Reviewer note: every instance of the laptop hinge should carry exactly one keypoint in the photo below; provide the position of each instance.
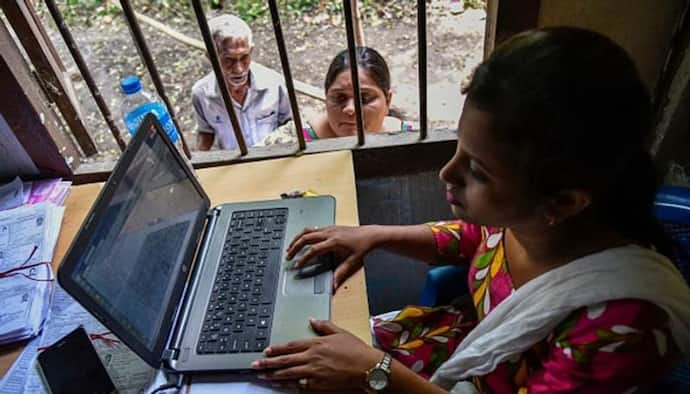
(213, 213)
(174, 339)
(169, 354)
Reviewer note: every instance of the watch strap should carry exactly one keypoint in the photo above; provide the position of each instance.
(385, 363)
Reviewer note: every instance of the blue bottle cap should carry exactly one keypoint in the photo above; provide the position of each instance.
(130, 84)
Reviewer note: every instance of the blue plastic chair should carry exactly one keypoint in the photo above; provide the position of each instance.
(443, 284)
(671, 208)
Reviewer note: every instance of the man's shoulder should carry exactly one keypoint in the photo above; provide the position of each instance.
(266, 78)
(205, 86)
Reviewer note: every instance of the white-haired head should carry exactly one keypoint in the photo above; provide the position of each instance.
(229, 26)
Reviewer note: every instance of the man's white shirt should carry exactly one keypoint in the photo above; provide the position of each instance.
(265, 108)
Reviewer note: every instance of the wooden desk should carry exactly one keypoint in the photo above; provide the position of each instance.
(327, 173)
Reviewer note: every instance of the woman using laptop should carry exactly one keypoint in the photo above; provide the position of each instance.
(552, 184)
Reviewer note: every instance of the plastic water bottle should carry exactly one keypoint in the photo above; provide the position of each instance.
(137, 103)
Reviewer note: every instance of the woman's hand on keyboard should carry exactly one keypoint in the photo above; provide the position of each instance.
(336, 360)
(349, 244)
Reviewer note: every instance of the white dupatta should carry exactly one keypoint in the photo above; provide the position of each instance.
(535, 309)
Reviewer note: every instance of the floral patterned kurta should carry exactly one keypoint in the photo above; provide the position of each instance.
(621, 346)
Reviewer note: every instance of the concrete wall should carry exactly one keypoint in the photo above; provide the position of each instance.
(673, 146)
(642, 27)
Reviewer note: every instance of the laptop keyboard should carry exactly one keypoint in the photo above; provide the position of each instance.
(240, 311)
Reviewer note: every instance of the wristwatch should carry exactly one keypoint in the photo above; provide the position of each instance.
(378, 377)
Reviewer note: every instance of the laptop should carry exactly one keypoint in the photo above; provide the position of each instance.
(186, 285)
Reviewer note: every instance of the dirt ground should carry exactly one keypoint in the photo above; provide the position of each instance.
(455, 42)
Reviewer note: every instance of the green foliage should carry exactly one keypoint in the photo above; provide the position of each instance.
(250, 10)
(299, 6)
(74, 8)
(101, 7)
(82, 11)
(478, 4)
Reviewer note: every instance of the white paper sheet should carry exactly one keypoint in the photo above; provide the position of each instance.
(129, 373)
(60, 192)
(236, 387)
(228, 384)
(15, 378)
(28, 235)
(25, 228)
(22, 305)
(51, 190)
(41, 190)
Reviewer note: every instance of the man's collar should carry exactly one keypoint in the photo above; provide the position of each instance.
(259, 84)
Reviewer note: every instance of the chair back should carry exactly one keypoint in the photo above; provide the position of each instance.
(672, 209)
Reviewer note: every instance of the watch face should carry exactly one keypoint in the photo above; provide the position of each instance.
(378, 379)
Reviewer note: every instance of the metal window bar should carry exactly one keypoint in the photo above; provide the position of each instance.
(282, 50)
(212, 50)
(21, 17)
(84, 70)
(352, 54)
(217, 70)
(151, 66)
(421, 63)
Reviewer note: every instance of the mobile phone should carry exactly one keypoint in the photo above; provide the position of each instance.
(71, 365)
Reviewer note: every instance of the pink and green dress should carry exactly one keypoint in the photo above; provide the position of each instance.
(621, 346)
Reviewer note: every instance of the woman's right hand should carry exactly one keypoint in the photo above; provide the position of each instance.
(349, 244)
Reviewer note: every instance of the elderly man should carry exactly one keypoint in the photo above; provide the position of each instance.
(261, 104)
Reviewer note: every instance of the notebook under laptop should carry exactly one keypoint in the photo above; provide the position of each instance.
(181, 283)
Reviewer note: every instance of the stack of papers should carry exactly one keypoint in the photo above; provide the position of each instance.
(17, 193)
(29, 229)
(130, 374)
(54, 191)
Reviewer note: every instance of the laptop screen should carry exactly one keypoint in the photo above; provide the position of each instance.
(133, 258)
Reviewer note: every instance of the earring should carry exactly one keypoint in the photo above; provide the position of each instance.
(551, 222)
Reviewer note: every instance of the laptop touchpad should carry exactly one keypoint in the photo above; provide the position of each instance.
(295, 285)
(314, 278)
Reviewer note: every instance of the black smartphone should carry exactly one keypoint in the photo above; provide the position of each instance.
(71, 365)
